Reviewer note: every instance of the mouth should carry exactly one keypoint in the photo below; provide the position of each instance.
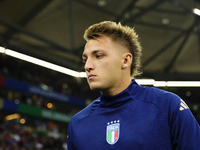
(91, 76)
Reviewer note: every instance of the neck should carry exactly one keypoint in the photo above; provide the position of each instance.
(118, 88)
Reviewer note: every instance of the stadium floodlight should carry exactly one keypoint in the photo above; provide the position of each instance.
(183, 83)
(42, 63)
(196, 11)
(2, 49)
(145, 81)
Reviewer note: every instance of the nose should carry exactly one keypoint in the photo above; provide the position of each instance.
(88, 65)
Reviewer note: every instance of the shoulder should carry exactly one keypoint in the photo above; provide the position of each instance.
(76, 119)
(157, 96)
(166, 102)
(170, 105)
(86, 111)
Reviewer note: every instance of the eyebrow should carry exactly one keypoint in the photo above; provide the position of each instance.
(93, 52)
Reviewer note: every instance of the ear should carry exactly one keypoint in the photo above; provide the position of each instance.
(127, 60)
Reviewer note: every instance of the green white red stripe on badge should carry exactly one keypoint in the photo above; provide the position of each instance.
(112, 136)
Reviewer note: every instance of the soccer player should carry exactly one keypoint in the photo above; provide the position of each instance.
(127, 116)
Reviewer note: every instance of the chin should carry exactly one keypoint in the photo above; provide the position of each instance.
(95, 87)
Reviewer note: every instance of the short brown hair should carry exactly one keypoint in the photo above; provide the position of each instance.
(120, 34)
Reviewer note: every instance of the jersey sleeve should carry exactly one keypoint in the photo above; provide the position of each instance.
(185, 130)
(70, 145)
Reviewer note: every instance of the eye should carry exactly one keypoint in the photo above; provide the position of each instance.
(99, 56)
(84, 61)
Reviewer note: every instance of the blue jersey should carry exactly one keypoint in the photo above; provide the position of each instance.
(139, 118)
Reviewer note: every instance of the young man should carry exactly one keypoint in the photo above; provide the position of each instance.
(127, 116)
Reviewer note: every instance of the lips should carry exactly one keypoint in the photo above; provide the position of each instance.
(91, 76)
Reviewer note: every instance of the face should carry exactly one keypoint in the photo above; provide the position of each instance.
(103, 64)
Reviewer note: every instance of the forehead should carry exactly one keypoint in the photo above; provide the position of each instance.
(99, 44)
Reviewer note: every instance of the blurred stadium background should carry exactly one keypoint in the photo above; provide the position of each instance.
(37, 103)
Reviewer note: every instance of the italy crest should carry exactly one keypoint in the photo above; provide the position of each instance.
(112, 132)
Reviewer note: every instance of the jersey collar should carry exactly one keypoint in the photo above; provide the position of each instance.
(119, 99)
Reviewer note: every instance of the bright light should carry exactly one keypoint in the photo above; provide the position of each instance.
(49, 105)
(151, 82)
(42, 63)
(160, 83)
(145, 81)
(2, 49)
(168, 83)
(11, 117)
(22, 121)
(196, 11)
(183, 83)
(82, 74)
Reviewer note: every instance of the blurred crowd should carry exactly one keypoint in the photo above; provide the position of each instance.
(16, 137)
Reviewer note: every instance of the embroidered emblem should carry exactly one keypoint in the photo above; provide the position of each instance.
(183, 105)
(112, 132)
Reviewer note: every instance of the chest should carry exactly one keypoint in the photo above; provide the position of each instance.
(123, 128)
